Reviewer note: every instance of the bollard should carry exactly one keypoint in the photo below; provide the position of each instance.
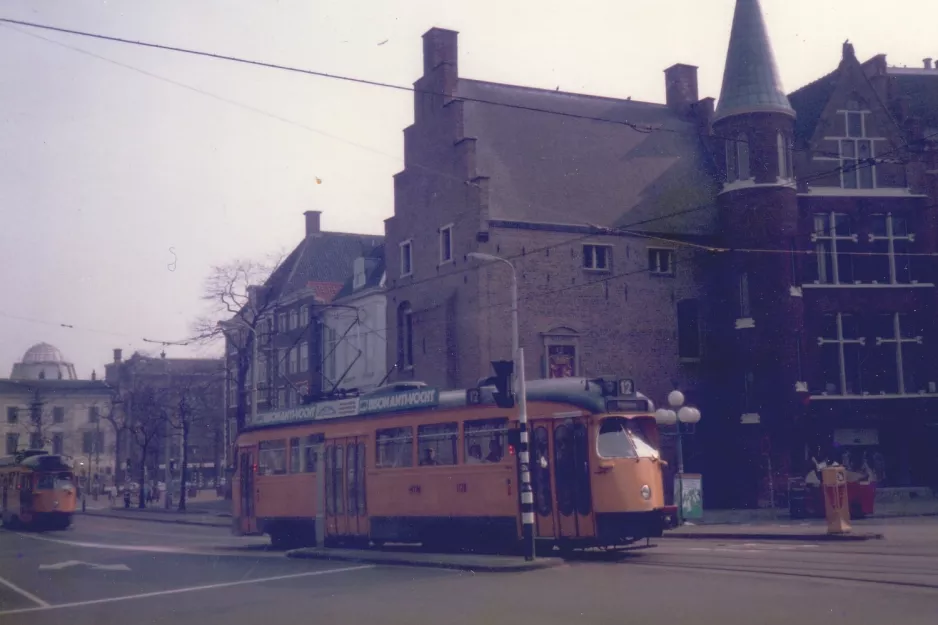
(836, 505)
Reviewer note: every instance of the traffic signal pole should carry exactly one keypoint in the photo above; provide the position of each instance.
(527, 494)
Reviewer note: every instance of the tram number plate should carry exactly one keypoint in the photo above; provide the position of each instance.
(415, 490)
(462, 488)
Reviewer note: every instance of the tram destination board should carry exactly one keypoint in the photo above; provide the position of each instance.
(627, 405)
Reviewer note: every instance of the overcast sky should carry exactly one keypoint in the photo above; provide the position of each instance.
(127, 172)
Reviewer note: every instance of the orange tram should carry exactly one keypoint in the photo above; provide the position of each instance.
(409, 463)
(37, 491)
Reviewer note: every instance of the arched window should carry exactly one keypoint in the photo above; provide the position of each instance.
(742, 157)
(405, 335)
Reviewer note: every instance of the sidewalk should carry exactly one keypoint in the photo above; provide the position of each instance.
(457, 561)
(803, 531)
(207, 511)
(882, 510)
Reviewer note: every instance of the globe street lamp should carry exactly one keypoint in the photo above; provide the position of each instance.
(677, 415)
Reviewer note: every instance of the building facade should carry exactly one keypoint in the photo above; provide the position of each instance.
(169, 411)
(45, 406)
(354, 342)
(771, 256)
(286, 315)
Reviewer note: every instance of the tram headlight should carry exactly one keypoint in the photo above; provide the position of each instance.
(646, 492)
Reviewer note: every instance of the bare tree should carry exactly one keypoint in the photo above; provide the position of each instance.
(117, 417)
(237, 303)
(148, 416)
(196, 408)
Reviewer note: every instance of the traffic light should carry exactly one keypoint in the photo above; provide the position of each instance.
(503, 395)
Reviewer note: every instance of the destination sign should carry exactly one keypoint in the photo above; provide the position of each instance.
(627, 405)
(393, 402)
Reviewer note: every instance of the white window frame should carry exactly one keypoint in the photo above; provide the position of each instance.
(831, 254)
(330, 342)
(303, 365)
(655, 269)
(589, 253)
(292, 354)
(840, 341)
(891, 239)
(898, 339)
(282, 322)
(845, 161)
(304, 316)
(294, 319)
(407, 251)
(446, 230)
(281, 397)
(281, 362)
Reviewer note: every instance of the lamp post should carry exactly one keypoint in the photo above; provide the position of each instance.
(525, 492)
(678, 415)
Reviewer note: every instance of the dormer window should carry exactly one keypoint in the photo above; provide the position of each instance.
(737, 159)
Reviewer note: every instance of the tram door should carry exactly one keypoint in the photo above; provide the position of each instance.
(563, 503)
(346, 512)
(247, 492)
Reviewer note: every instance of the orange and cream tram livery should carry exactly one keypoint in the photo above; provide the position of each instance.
(37, 491)
(409, 463)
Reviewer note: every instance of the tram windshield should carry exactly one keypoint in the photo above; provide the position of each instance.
(54, 481)
(624, 438)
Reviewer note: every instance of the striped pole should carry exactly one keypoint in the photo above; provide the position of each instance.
(524, 460)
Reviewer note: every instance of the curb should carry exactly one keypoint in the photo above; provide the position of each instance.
(158, 520)
(403, 560)
(857, 537)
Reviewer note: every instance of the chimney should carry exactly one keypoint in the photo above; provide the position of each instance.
(117, 355)
(680, 82)
(312, 222)
(927, 63)
(439, 48)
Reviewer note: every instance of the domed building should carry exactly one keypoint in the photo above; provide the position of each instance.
(43, 361)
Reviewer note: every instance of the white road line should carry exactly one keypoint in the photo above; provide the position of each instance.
(194, 550)
(160, 593)
(25, 593)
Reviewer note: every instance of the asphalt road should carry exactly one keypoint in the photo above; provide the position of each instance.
(107, 571)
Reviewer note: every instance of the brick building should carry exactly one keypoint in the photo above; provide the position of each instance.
(612, 211)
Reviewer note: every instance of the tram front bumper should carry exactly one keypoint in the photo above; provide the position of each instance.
(616, 528)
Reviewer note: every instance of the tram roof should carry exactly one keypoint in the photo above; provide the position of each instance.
(593, 395)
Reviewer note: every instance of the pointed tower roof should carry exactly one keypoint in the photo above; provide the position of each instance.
(750, 80)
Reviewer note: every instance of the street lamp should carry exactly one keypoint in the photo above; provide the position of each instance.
(525, 492)
(677, 415)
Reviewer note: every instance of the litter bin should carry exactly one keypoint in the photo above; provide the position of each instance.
(836, 502)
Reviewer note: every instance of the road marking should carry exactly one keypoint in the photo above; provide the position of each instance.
(58, 566)
(228, 551)
(175, 591)
(25, 593)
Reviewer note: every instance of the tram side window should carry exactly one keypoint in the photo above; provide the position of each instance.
(485, 440)
(295, 456)
(272, 457)
(436, 443)
(394, 448)
(310, 456)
